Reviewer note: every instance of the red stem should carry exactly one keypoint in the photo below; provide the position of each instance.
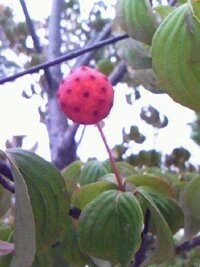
(112, 162)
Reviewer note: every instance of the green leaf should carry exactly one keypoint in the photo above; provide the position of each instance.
(110, 227)
(125, 169)
(85, 194)
(43, 260)
(152, 182)
(169, 209)
(42, 205)
(93, 170)
(71, 175)
(137, 19)
(164, 245)
(70, 247)
(192, 196)
(6, 228)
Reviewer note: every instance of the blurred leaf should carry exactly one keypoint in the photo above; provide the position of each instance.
(88, 192)
(146, 78)
(110, 227)
(163, 10)
(42, 205)
(93, 170)
(135, 135)
(71, 175)
(152, 182)
(137, 19)
(164, 245)
(105, 66)
(190, 198)
(135, 54)
(125, 169)
(150, 158)
(152, 116)
(169, 209)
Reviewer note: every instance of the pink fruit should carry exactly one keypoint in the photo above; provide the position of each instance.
(85, 95)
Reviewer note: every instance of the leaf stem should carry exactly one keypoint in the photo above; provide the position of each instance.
(112, 162)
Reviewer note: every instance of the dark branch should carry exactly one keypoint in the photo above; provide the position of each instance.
(5, 171)
(68, 56)
(146, 241)
(187, 245)
(7, 184)
(31, 27)
(118, 73)
(35, 39)
(172, 2)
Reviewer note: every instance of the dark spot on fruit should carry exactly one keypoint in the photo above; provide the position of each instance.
(86, 94)
(92, 77)
(101, 101)
(58, 94)
(95, 113)
(77, 79)
(103, 89)
(62, 82)
(68, 91)
(77, 109)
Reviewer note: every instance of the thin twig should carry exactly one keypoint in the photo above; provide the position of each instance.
(72, 54)
(7, 184)
(36, 41)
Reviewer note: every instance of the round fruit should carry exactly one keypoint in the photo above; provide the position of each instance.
(85, 95)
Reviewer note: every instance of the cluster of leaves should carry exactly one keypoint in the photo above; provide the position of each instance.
(79, 217)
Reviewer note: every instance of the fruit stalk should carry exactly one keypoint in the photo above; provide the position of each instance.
(111, 159)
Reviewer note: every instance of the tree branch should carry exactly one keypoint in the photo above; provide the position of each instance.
(72, 54)
(7, 184)
(35, 39)
(5, 171)
(146, 241)
(172, 2)
(187, 245)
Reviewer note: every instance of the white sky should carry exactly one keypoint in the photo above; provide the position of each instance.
(19, 116)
